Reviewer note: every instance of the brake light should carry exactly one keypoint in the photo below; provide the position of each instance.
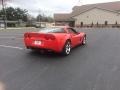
(26, 35)
(49, 36)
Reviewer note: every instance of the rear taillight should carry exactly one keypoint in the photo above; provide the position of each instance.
(49, 37)
(26, 35)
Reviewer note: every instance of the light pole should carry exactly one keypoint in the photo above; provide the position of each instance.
(4, 14)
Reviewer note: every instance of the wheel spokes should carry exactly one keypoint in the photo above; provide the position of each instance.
(84, 40)
(68, 48)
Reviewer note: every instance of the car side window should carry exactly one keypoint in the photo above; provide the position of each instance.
(53, 30)
(72, 31)
(60, 30)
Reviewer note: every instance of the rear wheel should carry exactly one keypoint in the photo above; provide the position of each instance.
(67, 48)
(84, 40)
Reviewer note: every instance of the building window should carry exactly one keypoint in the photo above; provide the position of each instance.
(92, 24)
(116, 23)
(97, 24)
(81, 24)
(106, 23)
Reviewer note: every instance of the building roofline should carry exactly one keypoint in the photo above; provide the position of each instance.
(96, 8)
(96, 4)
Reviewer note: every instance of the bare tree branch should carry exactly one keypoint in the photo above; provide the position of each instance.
(4, 1)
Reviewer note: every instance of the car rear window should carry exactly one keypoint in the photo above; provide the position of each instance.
(52, 30)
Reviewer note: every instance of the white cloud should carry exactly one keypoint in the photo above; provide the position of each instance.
(96, 1)
(51, 6)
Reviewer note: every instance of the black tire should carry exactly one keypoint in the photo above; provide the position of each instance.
(67, 48)
(84, 40)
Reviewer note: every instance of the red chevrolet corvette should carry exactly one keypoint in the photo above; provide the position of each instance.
(60, 40)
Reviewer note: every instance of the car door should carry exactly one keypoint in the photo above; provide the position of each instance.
(74, 37)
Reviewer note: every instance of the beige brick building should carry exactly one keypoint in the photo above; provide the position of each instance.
(103, 14)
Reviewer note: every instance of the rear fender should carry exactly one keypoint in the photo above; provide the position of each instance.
(82, 36)
(62, 41)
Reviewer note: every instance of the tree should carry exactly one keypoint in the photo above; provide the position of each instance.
(39, 18)
(43, 18)
(50, 19)
(15, 14)
(3, 2)
(31, 21)
(21, 14)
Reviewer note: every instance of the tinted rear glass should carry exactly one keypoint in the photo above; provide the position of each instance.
(52, 30)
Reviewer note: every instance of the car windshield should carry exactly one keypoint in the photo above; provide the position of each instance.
(52, 30)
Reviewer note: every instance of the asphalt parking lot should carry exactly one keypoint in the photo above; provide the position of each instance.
(95, 66)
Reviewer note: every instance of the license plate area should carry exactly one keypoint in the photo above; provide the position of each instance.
(37, 42)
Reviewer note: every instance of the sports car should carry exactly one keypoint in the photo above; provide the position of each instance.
(57, 39)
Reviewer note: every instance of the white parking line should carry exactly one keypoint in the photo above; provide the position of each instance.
(11, 38)
(5, 46)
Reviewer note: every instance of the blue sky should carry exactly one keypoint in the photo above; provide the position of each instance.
(51, 6)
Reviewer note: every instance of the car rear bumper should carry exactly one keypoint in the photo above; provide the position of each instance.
(45, 45)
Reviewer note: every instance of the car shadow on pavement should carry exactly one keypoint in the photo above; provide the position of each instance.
(52, 55)
(44, 57)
